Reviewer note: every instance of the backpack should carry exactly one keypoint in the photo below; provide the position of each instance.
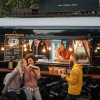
(6, 77)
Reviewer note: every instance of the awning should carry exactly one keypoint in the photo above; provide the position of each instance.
(51, 23)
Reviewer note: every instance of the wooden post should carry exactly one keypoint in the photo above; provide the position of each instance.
(86, 52)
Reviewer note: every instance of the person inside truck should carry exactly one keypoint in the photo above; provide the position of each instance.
(63, 55)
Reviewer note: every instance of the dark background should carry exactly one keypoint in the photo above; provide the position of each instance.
(68, 5)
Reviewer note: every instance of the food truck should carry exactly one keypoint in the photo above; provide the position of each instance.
(42, 37)
(79, 33)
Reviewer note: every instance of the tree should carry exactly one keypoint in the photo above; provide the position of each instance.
(7, 5)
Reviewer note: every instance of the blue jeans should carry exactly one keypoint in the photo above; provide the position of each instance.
(30, 94)
(13, 95)
(70, 97)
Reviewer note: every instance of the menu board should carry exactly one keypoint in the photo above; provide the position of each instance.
(13, 47)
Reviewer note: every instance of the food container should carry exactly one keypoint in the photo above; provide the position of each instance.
(50, 70)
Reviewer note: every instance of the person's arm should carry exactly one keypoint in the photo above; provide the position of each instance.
(73, 78)
(58, 52)
(68, 54)
(37, 73)
(32, 71)
(59, 57)
(9, 79)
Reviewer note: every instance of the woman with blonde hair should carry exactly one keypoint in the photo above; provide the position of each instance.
(13, 82)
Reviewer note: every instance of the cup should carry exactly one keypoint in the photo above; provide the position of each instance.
(50, 70)
(59, 71)
(55, 70)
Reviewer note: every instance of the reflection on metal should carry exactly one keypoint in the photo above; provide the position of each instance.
(47, 31)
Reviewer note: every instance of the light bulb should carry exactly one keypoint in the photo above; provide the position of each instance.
(98, 47)
(24, 45)
(49, 48)
(96, 50)
(2, 48)
(44, 50)
(70, 49)
(25, 49)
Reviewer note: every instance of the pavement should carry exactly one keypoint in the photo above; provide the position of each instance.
(4, 98)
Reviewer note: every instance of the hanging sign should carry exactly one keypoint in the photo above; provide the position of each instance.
(13, 47)
(68, 5)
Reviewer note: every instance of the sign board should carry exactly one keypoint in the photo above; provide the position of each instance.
(68, 5)
(13, 47)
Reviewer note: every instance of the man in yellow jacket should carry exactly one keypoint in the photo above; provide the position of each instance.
(75, 79)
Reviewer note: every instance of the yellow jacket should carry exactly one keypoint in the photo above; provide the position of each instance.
(75, 80)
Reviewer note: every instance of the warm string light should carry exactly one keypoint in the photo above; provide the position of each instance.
(44, 50)
(25, 49)
(49, 48)
(2, 48)
(27, 43)
(24, 45)
(97, 48)
(44, 45)
(30, 44)
(70, 48)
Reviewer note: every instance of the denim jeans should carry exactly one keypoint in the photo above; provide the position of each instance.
(70, 97)
(13, 95)
(29, 94)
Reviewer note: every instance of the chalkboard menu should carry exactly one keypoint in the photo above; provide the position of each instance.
(13, 47)
(68, 5)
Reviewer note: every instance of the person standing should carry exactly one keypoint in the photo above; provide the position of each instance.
(75, 79)
(31, 77)
(13, 81)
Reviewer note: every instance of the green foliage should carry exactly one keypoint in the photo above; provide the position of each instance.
(7, 5)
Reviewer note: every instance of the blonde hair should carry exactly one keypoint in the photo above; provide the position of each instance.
(20, 66)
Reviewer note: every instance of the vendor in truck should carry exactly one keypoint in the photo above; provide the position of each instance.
(63, 55)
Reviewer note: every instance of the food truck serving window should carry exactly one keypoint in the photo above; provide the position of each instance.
(77, 46)
(60, 50)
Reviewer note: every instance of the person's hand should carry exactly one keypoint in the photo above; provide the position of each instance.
(3, 94)
(63, 76)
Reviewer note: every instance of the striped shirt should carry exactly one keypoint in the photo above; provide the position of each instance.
(31, 77)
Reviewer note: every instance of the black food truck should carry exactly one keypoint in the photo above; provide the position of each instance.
(42, 37)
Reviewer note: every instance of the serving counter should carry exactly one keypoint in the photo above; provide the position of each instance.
(46, 64)
(51, 84)
(93, 76)
(5, 70)
(56, 63)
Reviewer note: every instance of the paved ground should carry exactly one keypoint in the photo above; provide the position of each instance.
(4, 98)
